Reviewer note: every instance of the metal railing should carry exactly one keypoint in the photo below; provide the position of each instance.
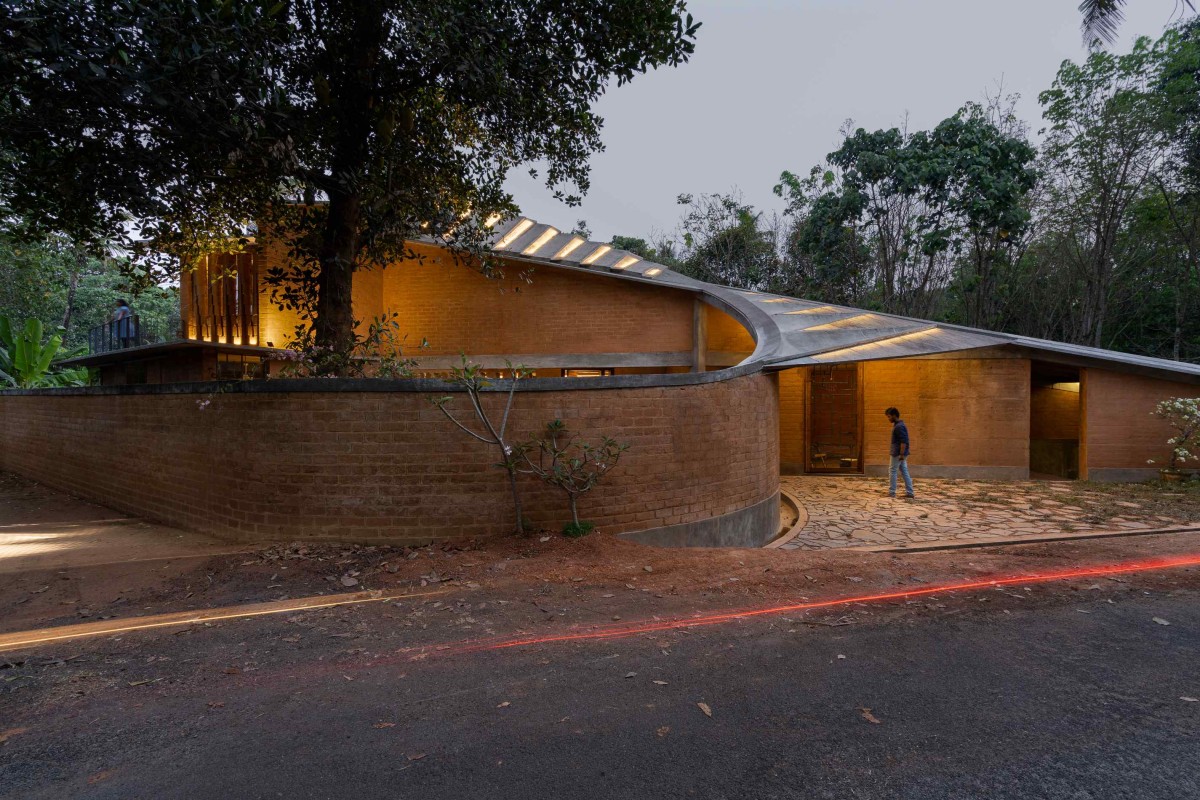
(132, 331)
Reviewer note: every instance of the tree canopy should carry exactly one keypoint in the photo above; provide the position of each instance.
(343, 127)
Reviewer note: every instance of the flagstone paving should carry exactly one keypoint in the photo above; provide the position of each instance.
(856, 512)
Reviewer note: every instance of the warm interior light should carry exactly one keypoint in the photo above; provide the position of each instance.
(568, 248)
(650, 273)
(540, 241)
(491, 221)
(513, 234)
(1066, 386)
(870, 347)
(781, 300)
(626, 262)
(595, 254)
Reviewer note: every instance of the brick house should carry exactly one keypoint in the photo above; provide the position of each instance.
(717, 390)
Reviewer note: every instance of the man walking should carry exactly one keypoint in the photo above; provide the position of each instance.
(900, 453)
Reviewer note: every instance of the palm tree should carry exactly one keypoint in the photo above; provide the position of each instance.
(1102, 18)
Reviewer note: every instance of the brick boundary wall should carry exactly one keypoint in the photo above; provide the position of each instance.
(355, 461)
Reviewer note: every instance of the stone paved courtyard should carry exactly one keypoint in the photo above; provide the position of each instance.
(855, 511)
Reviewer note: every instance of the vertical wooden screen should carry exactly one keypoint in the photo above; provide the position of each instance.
(219, 299)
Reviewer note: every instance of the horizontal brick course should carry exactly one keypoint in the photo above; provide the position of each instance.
(384, 465)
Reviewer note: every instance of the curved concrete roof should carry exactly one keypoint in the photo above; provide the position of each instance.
(792, 332)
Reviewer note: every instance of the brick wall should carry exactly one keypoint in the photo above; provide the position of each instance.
(960, 412)
(1054, 413)
(791, 419)
(262, 465)
(528, 310)
(726, 334)
(1119, 430)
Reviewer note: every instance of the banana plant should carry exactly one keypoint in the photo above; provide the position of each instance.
(28, 363)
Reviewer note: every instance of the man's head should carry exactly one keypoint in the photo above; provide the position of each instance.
(893, 414)
(122, 304)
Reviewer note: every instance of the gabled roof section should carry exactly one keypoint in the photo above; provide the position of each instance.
(792, 332)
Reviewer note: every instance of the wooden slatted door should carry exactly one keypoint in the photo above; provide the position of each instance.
(834, 419)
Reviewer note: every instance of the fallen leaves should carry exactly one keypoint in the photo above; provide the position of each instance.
(630, 674)
(11, 732)
(663, 731)
(1160, 621)
(505, 704)
(661, 683)
(103, 775)
(382, 725)
(1184, 698)
(705, 708)
(868, 716)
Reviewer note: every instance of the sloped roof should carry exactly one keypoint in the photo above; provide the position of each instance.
(792, 332)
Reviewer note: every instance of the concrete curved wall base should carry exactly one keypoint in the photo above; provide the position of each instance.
(753, 526)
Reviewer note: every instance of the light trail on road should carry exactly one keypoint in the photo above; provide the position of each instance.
(656, 626)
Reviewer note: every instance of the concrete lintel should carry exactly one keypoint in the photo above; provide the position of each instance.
(418, 385)
(681, 358)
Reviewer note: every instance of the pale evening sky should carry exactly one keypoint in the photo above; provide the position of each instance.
(772, 81)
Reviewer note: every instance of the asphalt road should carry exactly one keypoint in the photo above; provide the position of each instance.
(1042, 701)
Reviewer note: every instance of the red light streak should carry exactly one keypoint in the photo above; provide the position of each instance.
(638, 628)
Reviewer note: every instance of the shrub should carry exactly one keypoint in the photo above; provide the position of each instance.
(1182, 414)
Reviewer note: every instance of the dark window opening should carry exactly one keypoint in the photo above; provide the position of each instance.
(231, 367)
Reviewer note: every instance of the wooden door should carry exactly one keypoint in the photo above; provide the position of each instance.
(834, 419)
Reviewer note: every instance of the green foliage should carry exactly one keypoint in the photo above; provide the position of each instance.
(917, 201)
(570, 465)
(661, 252)
(401, 118)
(26, 362)
(379, 353)
(64, 287)
(724, 241)
(577, 530)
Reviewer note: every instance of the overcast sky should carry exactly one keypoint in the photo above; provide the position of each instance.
(772, 81)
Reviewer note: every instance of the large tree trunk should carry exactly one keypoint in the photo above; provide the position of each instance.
(334, 324)
(73, 286)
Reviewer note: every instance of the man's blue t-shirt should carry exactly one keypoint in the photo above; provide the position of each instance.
(900, 443)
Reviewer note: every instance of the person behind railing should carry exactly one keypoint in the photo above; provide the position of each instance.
(124, 328)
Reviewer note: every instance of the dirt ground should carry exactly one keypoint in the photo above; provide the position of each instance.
(72, 711)
(601, 575)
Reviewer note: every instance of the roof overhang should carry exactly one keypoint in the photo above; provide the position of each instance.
(148, 351)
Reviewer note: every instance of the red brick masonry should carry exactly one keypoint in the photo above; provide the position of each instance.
(259, 462)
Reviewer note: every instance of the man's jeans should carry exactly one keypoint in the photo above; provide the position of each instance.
(900, 464)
